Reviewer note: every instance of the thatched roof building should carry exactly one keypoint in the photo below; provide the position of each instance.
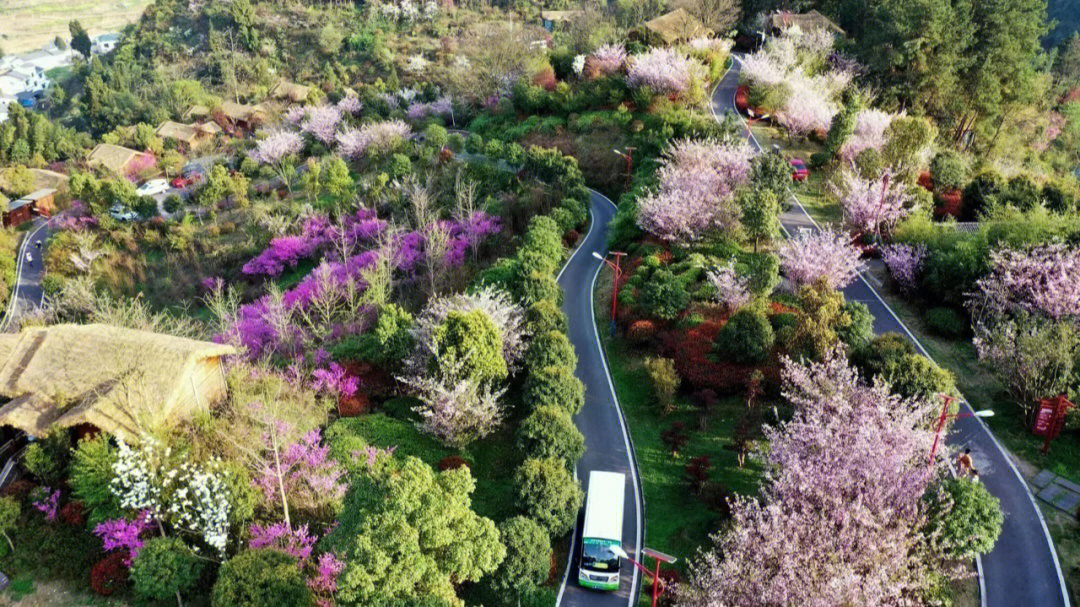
(115, 158)
(297, 93)
(114, 379)
(782, 20)
(184, 133)
(674, 27)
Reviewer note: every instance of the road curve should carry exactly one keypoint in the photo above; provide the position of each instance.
(1023, 569)
(607, 439)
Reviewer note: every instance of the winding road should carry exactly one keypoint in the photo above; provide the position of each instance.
(28, 293)
(607, 439)
(1023, 569)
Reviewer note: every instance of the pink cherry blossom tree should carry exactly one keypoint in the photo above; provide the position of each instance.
(377, 137)
(697, 181)
(905, 264)
(605, 60)
(1043, 280)
(277, 150)
(664, 70)
(840, 517)
(732, 290)
(826, 254)
(871, 205)
(870, 127)
(322, 122)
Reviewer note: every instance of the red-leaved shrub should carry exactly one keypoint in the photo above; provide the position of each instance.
(109, 574)
(18, 489)
(546, 78)
(452, 462)
(73, 514)
(641, 331)
(351, 406)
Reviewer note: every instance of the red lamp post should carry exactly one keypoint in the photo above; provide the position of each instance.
(618, 276)
(629, 156)
(945, 416)
(658, 584)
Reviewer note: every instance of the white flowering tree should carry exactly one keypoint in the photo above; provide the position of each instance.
(187, 497)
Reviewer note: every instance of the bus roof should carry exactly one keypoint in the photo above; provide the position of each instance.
(604, 505)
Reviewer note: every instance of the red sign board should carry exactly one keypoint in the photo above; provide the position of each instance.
(1045, 418)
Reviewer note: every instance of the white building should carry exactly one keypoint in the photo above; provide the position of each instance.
(5, 102)
(47, 59)
(104, 43)
(23, 80)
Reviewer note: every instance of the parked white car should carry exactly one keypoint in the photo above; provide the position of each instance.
(154, 186)
(122, 213)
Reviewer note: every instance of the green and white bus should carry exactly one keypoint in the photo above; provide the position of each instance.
(601, 538)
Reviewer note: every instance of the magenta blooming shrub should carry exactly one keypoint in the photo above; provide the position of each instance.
(374, 136)
(1043, 280)
(443, 106)
(296, 542)
(47, 501)
(122, 534)
(825, 255)
(277, 146)
(350, 104)
(697, 181)
(870, 128)
(327, 570)
(664, 70)
(322, 123)
(141, 163)
(318, 232)
(335, 381)
(872, 204)
(905, 264)
(76, 218)
(607, 59)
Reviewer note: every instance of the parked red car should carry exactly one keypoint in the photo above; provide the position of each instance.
(184, 181)
(799, 172)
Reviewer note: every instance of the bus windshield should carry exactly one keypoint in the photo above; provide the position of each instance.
(598, 556)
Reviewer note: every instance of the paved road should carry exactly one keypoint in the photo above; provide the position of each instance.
(607, 442)
(28, 293)
(1022, 570)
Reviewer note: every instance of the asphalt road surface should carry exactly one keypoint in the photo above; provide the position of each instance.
(1022, 570)
(28, 293)
(607, 443)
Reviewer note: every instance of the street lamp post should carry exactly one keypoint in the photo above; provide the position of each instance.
(618, 275)
(629, 156)
(658, 584)
(946, 416)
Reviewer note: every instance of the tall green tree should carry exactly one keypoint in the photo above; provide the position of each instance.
(80, 40)
(408, 535)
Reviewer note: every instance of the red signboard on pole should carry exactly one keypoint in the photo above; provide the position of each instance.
(1051, 418)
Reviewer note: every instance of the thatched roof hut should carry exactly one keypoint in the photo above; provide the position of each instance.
(115, 158)
(674, 27)
(811, 20)
(114, 379)
(297, 93)
(184, 133)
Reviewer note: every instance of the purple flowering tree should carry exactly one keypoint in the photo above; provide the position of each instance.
(825, 255)
(664, 70)
(872, 205)
(296, 542)
(301, 475)
(335, 381)
(840, 518)
(697, 181)
(277, 150)
(905, 264)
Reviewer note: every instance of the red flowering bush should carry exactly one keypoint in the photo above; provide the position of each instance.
(356, 404)
(73, 514)
(109, 574)
(453, 462)
(18, 489)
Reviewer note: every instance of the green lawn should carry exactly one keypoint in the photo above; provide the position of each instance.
(813, 193)
(676, 521)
